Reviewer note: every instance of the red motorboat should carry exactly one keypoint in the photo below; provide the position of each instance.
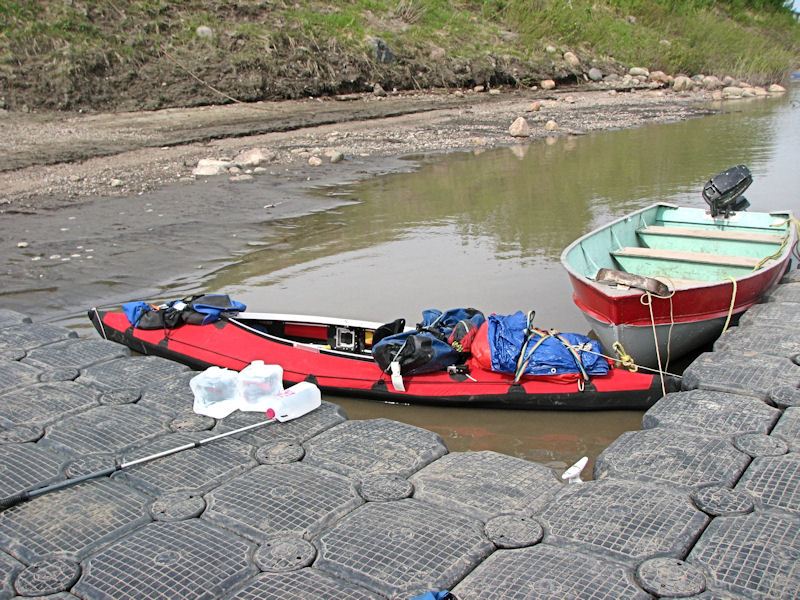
(335, 354)
(664, 280)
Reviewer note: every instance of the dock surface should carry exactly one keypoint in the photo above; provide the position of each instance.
(703, 502)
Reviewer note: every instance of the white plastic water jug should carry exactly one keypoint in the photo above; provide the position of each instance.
(257, 384)
(215, 392)
(300, 394)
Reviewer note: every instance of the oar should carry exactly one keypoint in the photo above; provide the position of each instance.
(299, 406)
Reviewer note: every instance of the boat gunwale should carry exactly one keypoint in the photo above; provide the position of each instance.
(617, 293)
(304, 346)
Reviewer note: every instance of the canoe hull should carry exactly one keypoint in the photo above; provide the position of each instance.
(234, 344)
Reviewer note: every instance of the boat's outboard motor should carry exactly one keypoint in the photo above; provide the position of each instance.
(723, 192)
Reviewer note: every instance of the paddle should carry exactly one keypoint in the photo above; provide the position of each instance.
(304, 404)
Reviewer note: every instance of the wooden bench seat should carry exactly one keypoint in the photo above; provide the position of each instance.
(687, 257)
(714, 234)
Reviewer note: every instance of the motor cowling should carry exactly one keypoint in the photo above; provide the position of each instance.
(723, 192)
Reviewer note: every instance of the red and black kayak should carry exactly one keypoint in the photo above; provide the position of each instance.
(335, 354)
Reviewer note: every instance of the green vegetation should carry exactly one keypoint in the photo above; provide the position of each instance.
(72, 54)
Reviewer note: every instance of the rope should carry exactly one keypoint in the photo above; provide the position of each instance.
(525, 356)
(625, 359)
(733, 301)
(792, 221)
(649, 303)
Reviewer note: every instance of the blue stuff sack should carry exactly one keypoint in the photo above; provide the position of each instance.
(134, 310)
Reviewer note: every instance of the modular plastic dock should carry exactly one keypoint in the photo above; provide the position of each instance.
(703, 502)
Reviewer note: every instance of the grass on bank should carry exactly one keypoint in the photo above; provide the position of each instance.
(756, 40)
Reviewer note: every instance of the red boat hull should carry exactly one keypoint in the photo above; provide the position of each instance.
(230, 344)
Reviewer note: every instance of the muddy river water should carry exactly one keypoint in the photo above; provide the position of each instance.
(485, 230)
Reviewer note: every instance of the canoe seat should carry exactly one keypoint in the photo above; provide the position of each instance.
(688, 257)
(713, 234)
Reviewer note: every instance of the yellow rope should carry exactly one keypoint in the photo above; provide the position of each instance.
(733, 301)
(790, 220)
(649, 303)
(625, 359)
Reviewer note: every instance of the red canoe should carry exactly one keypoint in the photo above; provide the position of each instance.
(335, 355)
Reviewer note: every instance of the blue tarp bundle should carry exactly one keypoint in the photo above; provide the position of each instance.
(545, 354)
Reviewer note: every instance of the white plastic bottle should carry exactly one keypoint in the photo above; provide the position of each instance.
(257, 384)
(301, 396)
(215, 392)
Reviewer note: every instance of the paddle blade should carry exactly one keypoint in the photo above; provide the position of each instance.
(296, 401)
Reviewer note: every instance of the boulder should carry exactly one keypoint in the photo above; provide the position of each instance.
(571, 59)
(548, 84)
(595, 74)
(682, 84)
(210, 166)
(520, 128)
(732, 91)
(252, 158)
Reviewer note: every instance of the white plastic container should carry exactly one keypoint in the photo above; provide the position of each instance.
(215, 392)
(257, 384)
(304, 394)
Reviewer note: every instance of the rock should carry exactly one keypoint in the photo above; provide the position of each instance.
(494, 92)
(520, 128)
(732, 91)
(638, 72)
(205, 32)
(729, 81)
(712, 82)
(335, 156)
(377, 90)
(210, 166)
(535, 106)
(571, 59)
(551, 125)
(682, 84)
(115, 183)
(437, 53)
(776, 89)
(478, 141)
(22, 244)
(240, 177)
(315, 161)
(548, 84)
(760, 91)
(595, 74)
(381, 51)
(252, 158)
(478, 88)
(659, 77)
(550, 49)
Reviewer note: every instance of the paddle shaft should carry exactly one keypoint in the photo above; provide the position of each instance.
(25, 495)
